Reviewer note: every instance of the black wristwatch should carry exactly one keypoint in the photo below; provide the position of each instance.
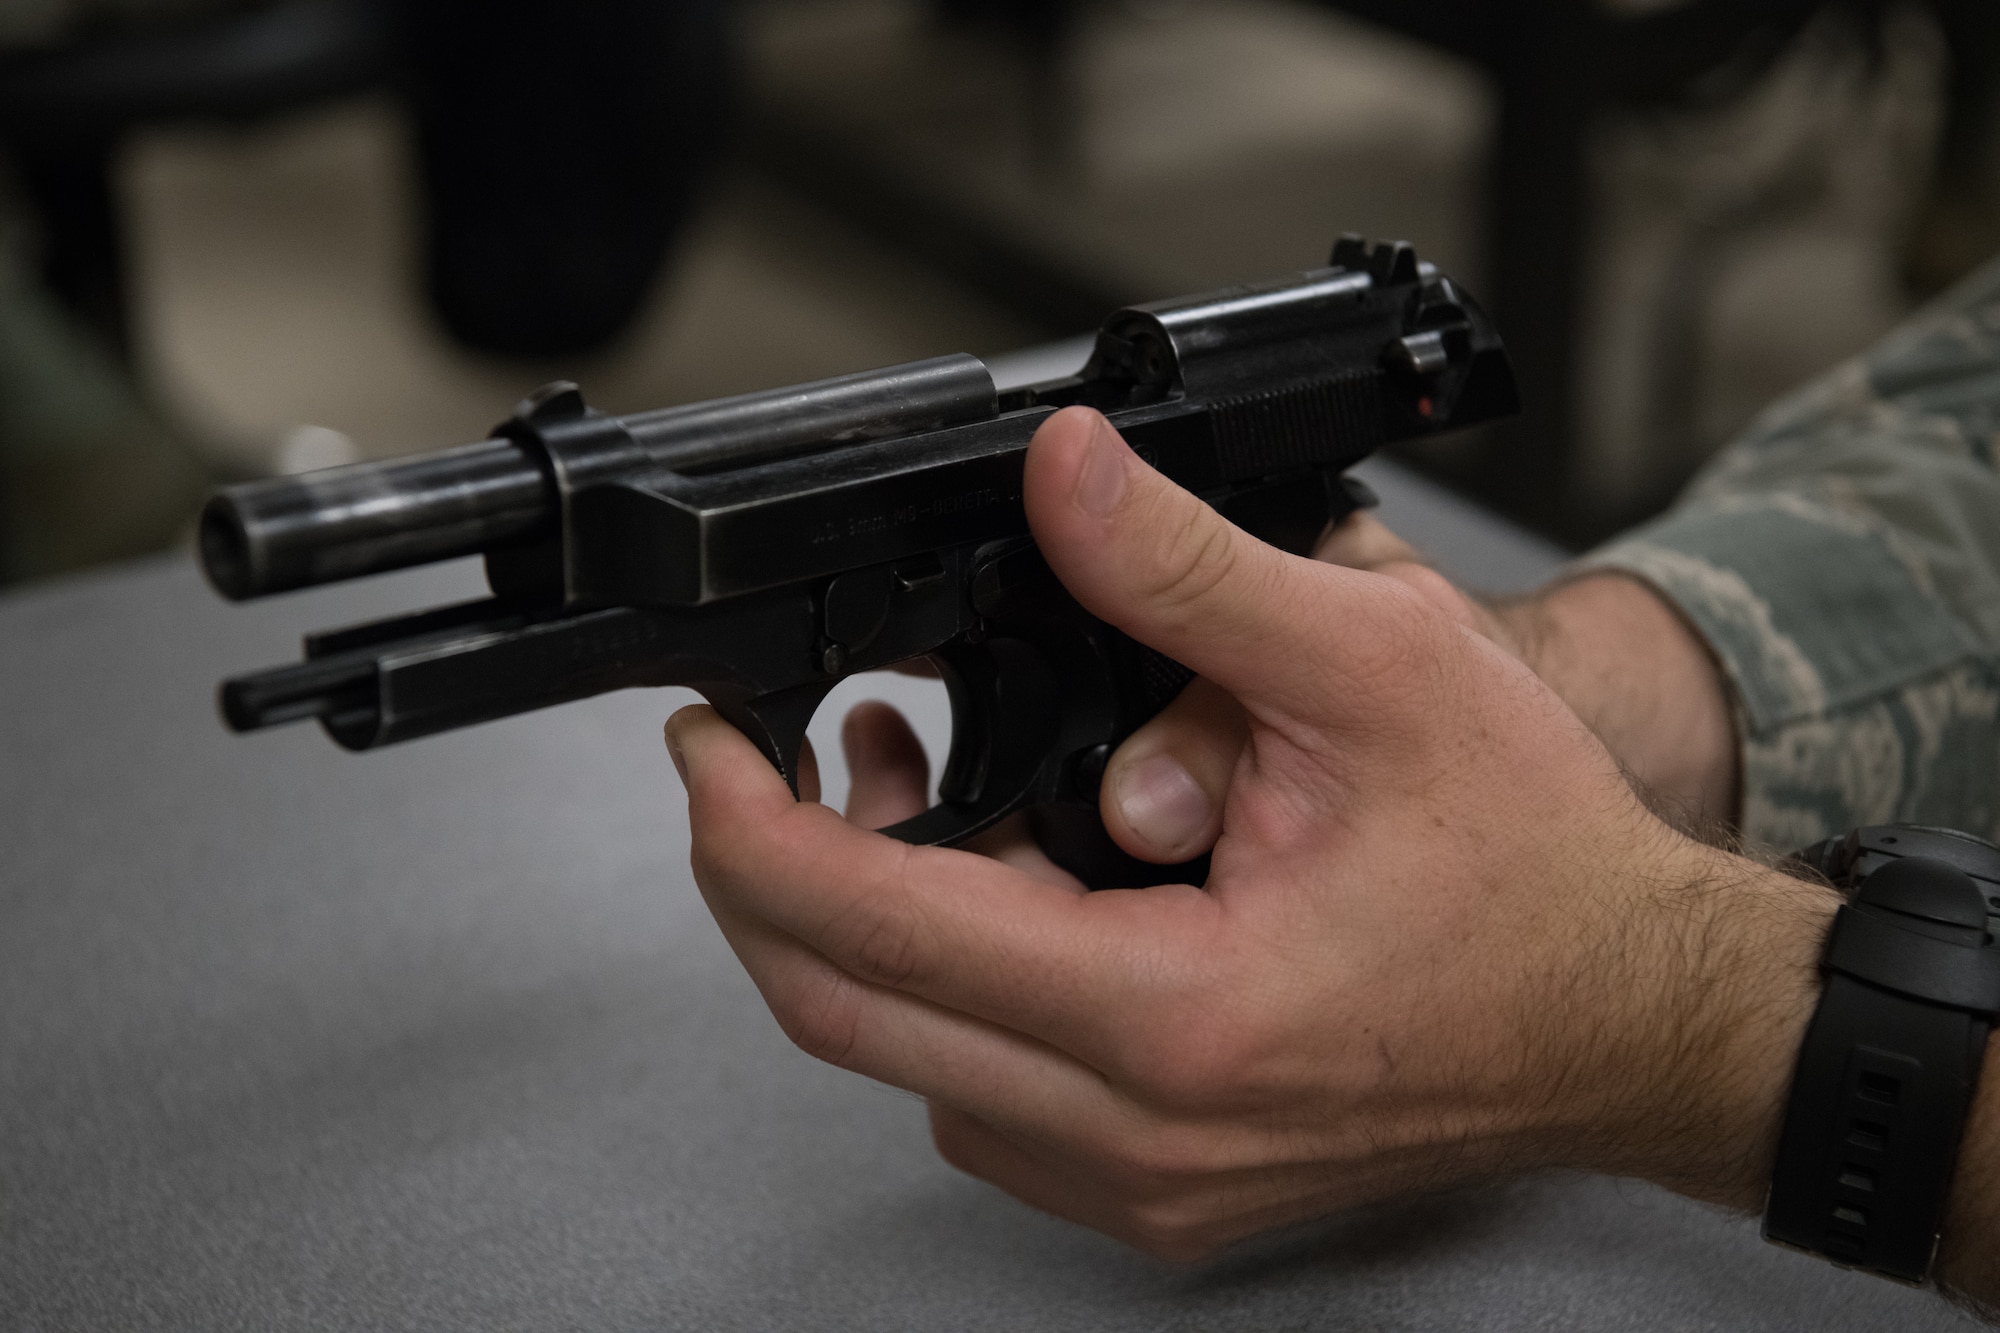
(1888, 1065)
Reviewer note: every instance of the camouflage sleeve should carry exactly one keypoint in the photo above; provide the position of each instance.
(1842, 558)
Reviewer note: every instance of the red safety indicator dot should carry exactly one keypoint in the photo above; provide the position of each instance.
(1424, 407)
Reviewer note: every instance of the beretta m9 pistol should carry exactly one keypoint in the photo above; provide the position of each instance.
(763, 547)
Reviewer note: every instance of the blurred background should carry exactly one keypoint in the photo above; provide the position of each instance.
(247, 236)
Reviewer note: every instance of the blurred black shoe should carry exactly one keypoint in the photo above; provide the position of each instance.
(563, 145)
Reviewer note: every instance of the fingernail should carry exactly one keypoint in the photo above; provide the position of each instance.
(1100, 485)
(1162, 802)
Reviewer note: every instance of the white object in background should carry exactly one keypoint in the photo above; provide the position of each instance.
(307, 448)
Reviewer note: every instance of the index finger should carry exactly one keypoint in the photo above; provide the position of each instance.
(952, 927)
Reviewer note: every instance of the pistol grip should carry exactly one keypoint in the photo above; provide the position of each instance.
(1039, 699)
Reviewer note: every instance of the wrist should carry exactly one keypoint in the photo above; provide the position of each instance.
(1644, 681)
(1716, 1036)
(1966, 1262)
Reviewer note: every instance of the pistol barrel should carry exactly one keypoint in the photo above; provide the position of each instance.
(318, 527)
(293, 532)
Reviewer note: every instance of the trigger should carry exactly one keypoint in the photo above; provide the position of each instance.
(776, 724)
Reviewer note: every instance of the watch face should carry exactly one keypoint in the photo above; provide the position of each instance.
(1861, 853)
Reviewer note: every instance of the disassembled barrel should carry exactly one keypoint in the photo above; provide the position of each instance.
(365, 518)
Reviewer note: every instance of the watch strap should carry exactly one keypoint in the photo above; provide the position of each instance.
(1871, 1134)
(1887, 1069)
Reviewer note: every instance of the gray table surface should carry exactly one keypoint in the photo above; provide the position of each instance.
(441, 1037)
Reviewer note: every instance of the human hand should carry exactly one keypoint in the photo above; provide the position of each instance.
(1612, 649)
(1441, 938)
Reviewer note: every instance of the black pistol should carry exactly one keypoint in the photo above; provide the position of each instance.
(761, 548)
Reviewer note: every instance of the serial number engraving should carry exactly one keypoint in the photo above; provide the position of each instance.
(931, 509)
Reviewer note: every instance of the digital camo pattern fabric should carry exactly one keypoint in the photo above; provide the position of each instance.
(1843, 560)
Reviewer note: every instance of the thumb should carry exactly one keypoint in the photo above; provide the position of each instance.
(1147, 556)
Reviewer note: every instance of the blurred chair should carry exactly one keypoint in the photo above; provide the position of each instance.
(561, 146)
(1554, 65)
(1042, 29)
(66, 110)
(1959, 225)
(87, 472)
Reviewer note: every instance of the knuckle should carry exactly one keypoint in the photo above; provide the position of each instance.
(880, 948)
(1200, 553)
(1177, 1078)
(1400, 645)
(949, 1136)
(1427, 583)
(1177, 1229)
(702, 864)
(879, 936)
(823, 1019)
(1190, 1063)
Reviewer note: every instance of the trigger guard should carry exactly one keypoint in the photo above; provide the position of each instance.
(1005, 722)
(945, 825)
